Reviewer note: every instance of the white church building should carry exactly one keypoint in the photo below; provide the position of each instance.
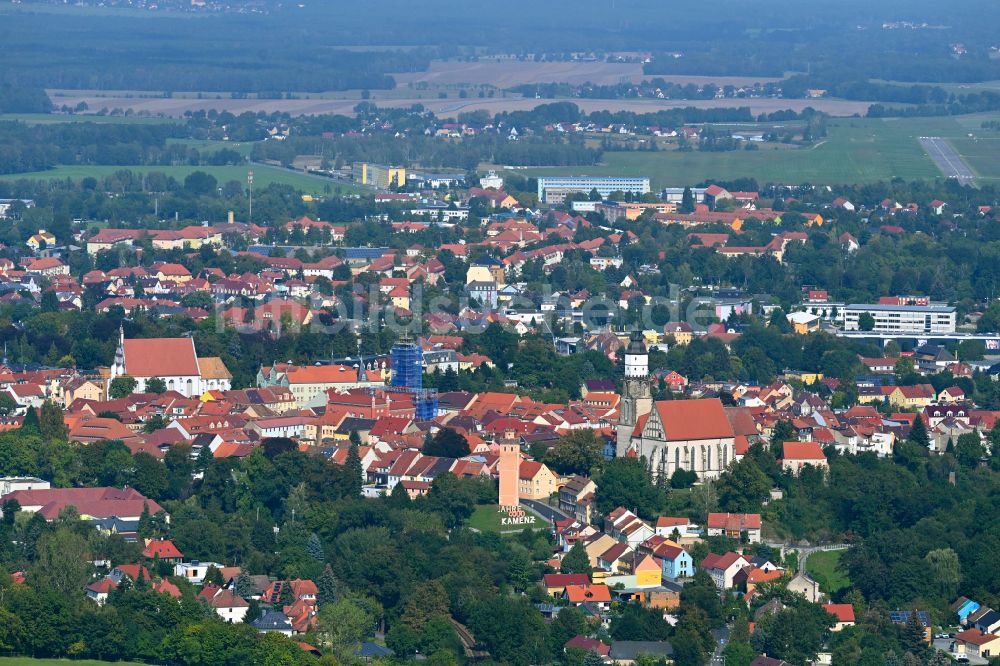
(174, 360)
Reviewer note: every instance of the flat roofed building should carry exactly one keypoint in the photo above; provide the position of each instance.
(902, 318)
(555, 189)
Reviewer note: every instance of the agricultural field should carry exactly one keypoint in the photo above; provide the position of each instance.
(263, 176)
(56, 118)
(856, 150)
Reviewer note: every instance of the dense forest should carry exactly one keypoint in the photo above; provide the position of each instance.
(302, 47)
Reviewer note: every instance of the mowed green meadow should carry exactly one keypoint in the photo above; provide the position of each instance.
(262, 175)
(855, 150)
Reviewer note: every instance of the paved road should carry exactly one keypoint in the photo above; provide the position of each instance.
(945, 645)
(720, 636)
(805, 551)
(947, 158)
(544, 510)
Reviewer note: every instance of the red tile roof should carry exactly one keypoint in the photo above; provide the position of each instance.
(693, 419)
(161, 357)
(802, 451)
(734, 521)
(843, 612)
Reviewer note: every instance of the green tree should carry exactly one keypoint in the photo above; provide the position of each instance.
(427, 601)
(576, 452)
(687, 201)
(328, 588)
(51, 424)
(342, 625)
(969, 449)
(354, 471)
(945, 570)
(866, 322)
(156, 385)
(576, 560)
(918, 433)
(30, 424)
(121, 387)
(62, 564)
(447, 443)
(7, 404)
(743, 487)
(626, 482)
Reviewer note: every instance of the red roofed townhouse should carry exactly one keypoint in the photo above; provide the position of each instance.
(581, 642)
(171, 272)
(693, 435)
(675, 381)
(596, 594)
(555, 584)
(723, 568)
(733, 525)
(937, 207)
(49, 267)
(98, 591)
(797, 455)
(164, 586)
(844, 614)
(164, 549)
(126, 504)
(535, 481)
(665, 526)
(231, 607)
(975, 643)
(310, 382)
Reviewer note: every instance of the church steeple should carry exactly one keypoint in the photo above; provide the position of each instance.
(637, 396)
(636, 357)
(362, 375)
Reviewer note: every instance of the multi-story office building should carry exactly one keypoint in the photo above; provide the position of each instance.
(555, 190)
(915, 319)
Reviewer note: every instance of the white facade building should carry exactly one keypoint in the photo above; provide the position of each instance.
(904, 319)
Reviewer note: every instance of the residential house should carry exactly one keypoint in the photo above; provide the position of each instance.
(555, 584)
(273, 621)
(576, 498)
(598, 595)
(626, 653)
(803, 584)
(844, 614)
(722, 568)
(795, 456)
(734, 525)
(677, 562)
(535, 481)
(975, 643)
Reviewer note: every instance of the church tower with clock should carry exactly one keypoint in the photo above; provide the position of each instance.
(637, 398)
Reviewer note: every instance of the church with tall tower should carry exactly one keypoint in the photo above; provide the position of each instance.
(694, 435)
(637, 396)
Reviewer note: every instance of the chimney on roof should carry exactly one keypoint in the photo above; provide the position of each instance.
(231, 217)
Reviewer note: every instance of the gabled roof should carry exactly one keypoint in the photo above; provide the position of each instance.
(160, 357)
(164, 548)
(802, 451)
(843, 612)
(713, 561)
(703, 418)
